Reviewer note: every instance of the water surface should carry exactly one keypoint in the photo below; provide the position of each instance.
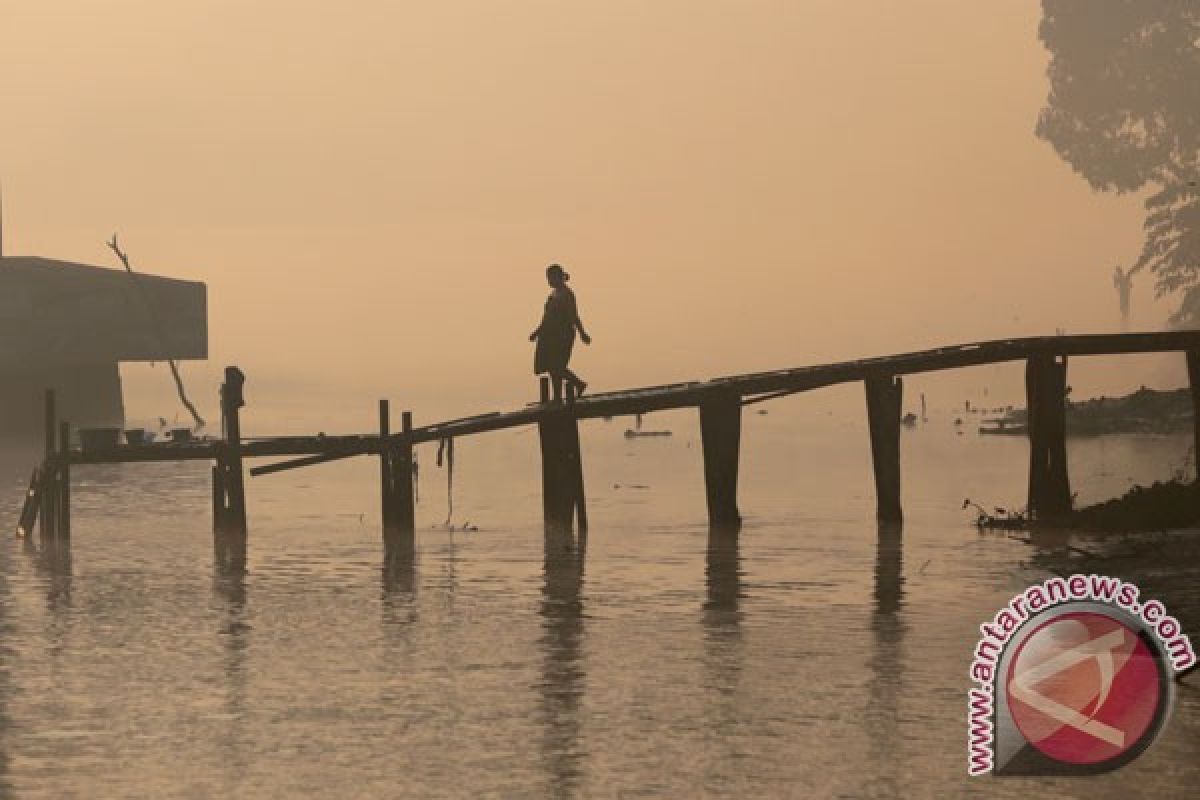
(811, 655)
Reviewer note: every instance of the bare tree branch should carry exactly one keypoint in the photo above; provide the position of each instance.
(116, 248)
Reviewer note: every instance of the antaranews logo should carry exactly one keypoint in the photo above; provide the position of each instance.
(1073, 677)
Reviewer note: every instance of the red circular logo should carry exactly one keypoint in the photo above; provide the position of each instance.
(1084, 688)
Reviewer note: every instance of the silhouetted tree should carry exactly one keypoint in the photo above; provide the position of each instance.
(1124, 112)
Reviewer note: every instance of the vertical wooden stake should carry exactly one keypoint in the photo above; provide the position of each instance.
(64, 472)
(404, 503)
(562, 471)
(1193, 367)
(1046, 399)
(576, 451)
(885, 396)
(1058, 499)
(218, 496)
(49, 474)
(544, 390)
(387, 506)
(721, 433)
(234, 479)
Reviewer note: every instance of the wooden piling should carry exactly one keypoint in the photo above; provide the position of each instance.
(387, 503)
(64, 481)
(49, 473)
(218, 496)
(721, 434)
(1193, 368)
(404, 507)
(1046, 404)
(233, 478)
(562, 471)
(885, 396)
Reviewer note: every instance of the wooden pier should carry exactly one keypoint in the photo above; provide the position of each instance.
(718, 401)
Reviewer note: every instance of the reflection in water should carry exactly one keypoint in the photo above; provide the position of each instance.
(723, 642)
(399, 577)
(53, 561)
(562, 685)
(887, 657)
(6, 659)
(229, 585)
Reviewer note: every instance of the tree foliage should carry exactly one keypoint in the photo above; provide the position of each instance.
(1124, 112)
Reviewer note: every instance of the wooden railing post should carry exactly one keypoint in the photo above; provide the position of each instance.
(885, 397)
(721, 435)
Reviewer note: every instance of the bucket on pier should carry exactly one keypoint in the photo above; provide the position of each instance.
(179, 435)
(92, 439)
(136, 436)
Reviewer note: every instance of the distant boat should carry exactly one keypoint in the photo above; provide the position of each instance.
(632, 434)
(1003, 427)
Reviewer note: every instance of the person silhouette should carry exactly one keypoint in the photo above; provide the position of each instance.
(555, 335)
(1123, 283)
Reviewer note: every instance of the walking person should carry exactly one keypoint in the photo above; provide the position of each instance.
(555, 336)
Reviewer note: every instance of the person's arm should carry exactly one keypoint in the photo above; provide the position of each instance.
(579, 323)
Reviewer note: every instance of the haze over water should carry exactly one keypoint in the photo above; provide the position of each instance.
(371, 194)
(811, 656)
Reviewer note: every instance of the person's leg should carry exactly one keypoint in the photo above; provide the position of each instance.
(556, 385)
(579, 383)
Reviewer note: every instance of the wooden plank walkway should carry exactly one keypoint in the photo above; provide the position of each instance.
(644, 400)
(719, 401)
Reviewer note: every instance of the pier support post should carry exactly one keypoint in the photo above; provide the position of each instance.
(400, 465)
(1046, 403)
(64, 481)
(885, 396)
(1193, 367)
(232, 478)
(721, 435)
(387, 502)
(562, 471)
(49, 472)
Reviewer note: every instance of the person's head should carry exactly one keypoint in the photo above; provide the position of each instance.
(556, 276)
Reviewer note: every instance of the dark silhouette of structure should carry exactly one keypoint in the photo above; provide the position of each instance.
(67, 326)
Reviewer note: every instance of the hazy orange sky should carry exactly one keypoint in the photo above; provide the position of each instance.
(371, 190)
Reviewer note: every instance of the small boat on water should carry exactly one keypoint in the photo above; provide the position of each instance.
(1004, 427)
(636, 431)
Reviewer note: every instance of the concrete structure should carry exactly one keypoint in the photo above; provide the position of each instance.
(66, 327)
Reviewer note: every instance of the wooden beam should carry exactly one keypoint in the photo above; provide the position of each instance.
(884, 407)
(721, 433)
(297, 463)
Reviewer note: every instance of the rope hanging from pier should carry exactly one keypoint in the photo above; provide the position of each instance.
(446, 448)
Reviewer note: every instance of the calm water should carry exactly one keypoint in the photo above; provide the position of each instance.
(810, 656)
